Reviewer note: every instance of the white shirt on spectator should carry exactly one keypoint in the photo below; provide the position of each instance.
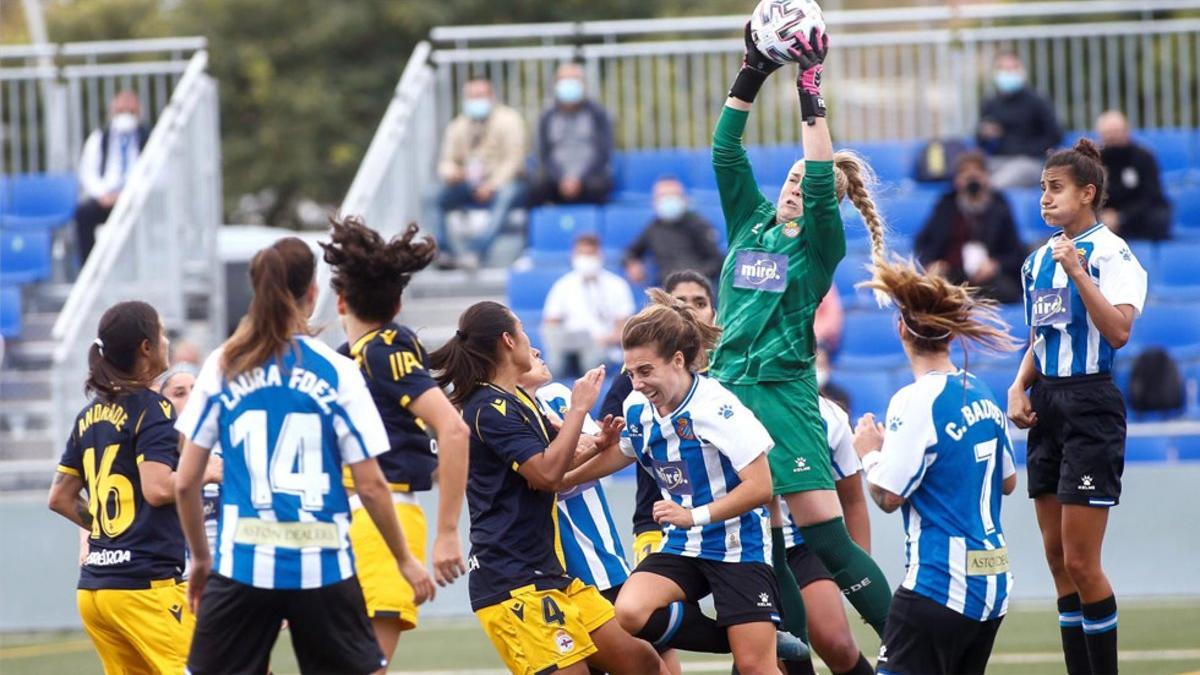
(589, 304)
(96, 184)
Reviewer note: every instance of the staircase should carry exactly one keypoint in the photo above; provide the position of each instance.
(435, 299)
(26, 405)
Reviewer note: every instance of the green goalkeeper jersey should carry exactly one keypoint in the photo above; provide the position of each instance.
(774, 275)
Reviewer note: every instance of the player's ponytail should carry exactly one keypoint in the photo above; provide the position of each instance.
(369, 273)
(470, 357)
(113, 368)
(1086, 167)
(934, 311)
(280, 275)
(671, 326)
(854, 179)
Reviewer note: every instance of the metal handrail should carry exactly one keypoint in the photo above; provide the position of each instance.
(102, 47)
(109, 248)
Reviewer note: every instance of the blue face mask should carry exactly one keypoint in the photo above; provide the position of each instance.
(569, 90)
(1009, 81)
(670, 207)
(477, 108)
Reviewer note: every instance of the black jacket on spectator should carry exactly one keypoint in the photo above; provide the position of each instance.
(949, 228)
(1030, 127)
(687, 243)
(1135, 192)
(597, 175)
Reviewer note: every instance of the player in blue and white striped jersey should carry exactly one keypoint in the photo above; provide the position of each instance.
(591, 545)
(1083, 290)
(945, 458)
(288, 412)
(707, 452)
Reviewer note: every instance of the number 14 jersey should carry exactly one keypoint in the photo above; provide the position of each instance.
(285, 429)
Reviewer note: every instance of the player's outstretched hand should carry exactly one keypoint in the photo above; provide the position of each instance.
(1020, 409)
(667, 512)
(868, 435)
(586, 391)
(610, 431)
(197, 578)
(448, 563)
(416, 576)
(756, 60)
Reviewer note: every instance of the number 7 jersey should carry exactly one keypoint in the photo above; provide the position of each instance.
(132, 543)
(285, 429)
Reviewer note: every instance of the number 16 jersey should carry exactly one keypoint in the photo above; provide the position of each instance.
(285, 429)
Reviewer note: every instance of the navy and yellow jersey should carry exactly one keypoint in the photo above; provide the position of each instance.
(132, 543)
(514, 533)
(392, 360)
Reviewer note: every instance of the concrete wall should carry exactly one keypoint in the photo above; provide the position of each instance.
(1150, 535)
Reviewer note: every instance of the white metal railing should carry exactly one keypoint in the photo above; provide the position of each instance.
(159, 240)
(52, 96)
(393, 177)
(895, 73)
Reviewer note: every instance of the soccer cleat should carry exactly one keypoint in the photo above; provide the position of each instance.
(788, 647)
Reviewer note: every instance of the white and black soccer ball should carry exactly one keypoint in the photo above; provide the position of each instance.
(775, 25)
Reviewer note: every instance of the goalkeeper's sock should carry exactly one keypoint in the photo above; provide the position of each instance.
(855, 572)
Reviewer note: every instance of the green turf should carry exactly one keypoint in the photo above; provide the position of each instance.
(1146, 628)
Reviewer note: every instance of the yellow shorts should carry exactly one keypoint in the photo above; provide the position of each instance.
(144, 631)
(540, 631)
(385, 591)
(646, 543)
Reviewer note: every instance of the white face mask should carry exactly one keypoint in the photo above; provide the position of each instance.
(587, 265)
(822, 377)
(124, 123)
(670, 207)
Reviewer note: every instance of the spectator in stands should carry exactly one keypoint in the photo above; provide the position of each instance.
(585, 313)
(481, 166)
(1136, 207)
(1017, 126)
(678, 238)
(106, 163)
(971, 235)
(829, 320)
(825, 385)
(575, 144)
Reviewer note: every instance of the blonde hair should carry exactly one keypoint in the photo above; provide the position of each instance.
(854, 179)
(935, 311)
(671, 326)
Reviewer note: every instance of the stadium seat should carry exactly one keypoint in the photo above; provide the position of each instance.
(554, 228)
(1191, 389)
(870, 391)
(638, 169)
(1171, 147)
(1175, 326)
(1187, 448)
(1176, 272)
(1014, 316)
(1185, 208)
(907, 211)
(1146, 253)
(531, 321)
(10, 311)
(527, 289)
(1026, 207)
(696, 170)
(623, 223)
(998, 378)
(848, 273)
(1147, 449)
(24, 256)
(870, 342)
(772, 163)
(38, 201)
(893, 161)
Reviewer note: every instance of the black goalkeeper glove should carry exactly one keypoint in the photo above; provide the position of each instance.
(755, 69)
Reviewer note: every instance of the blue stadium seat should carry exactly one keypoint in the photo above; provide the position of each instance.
(1175, 326)
(772, 163)
(1171, 147)
(38, 201)
(1020, 450)
(1025, 204)
(527, 289)
(1185, 207)
(638, 169)
(1014, 316)
(1147, 449)
(10, 311)
(1191, 388)
(893, 161)
(848, 273)
(906, 212)
(531, 321)
(998, 378)
(554, 228)
(696, 170)
(1187, 448)
(24, 256)
(870, 341)
(1177, 274)
(624, 222)
(1146, 253)
(870, 391)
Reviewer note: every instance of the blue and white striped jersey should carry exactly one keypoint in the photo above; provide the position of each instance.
(285, 429)
(591, 544)
(947, 452)
(1066, 342)
(695, 454)
(840, 438)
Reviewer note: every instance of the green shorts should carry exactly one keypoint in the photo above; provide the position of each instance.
(790, 412)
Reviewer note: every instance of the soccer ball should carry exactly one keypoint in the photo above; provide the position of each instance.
(775, 24)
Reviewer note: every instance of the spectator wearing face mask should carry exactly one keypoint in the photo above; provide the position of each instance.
(678, 239)
(1136, 207)
(481, 166)
(585, 313)
(575, 144)
(106, 164)
(1017, 126)
(971, 235)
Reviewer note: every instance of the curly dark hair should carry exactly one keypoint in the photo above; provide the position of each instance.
(369, 273)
